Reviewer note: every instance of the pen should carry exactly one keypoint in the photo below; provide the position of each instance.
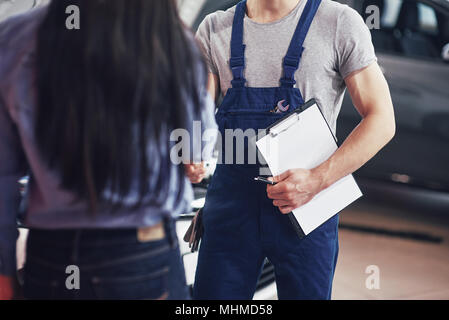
(265, 180)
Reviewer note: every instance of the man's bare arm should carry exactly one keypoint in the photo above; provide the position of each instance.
(371, 97)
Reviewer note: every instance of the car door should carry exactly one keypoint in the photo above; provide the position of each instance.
(408, 47)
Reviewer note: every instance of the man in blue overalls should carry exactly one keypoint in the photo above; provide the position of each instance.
(316, 48)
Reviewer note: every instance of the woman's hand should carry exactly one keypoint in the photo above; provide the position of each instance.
(195, 172)
(295, 188)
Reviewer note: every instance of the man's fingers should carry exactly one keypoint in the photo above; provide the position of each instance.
(287, 196)
(282, 187)
(293, 202)
(195, 172)
(196, 177)
(286, 209)
(284, 191)
(282, 176)
(281, 203)
(279, 196)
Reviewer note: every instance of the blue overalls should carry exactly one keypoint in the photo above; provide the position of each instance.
(241, 225)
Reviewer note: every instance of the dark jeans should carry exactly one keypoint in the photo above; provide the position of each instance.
(112, 264)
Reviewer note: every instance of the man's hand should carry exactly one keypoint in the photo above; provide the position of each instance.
(195, 172)
(371, 97)
(295, 188)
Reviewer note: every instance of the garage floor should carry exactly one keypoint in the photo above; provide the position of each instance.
(410, 249)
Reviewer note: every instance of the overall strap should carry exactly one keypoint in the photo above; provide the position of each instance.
(294, 53)
(237, 62)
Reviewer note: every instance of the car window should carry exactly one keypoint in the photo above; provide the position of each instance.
(427, 19)
(390, 16)
(419, 32)
(411, 28)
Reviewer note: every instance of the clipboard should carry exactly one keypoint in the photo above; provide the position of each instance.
(304, 139)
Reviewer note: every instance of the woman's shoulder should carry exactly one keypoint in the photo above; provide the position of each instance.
(17, 38)
(14, 29)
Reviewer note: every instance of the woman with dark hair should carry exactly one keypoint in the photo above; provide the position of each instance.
(88, 113)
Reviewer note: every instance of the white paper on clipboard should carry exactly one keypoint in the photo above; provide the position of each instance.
(305, 141)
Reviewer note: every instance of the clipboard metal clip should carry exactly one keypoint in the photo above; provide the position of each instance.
(289, 120)
(284, 125)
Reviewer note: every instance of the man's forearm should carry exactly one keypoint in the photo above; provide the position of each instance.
(371, 97)
(367, 139)
(297, 187)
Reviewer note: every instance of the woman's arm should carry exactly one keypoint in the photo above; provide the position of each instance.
(213, 86)
(12, 168)
(196, 172)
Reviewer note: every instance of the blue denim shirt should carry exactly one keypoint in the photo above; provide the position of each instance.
(50, 206)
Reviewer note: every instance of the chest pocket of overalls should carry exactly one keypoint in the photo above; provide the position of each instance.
(244, 120)
(240, 131)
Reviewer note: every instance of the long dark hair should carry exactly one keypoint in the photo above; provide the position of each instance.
(111, 88)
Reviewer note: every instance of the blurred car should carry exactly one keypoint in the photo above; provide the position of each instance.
(412, 45)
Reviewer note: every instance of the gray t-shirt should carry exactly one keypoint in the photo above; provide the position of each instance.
(338, 43)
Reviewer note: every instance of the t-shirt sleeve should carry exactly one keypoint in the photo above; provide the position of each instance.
(354, 46)
(203, 36)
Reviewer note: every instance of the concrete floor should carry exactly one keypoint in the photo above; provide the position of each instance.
(408, 269)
